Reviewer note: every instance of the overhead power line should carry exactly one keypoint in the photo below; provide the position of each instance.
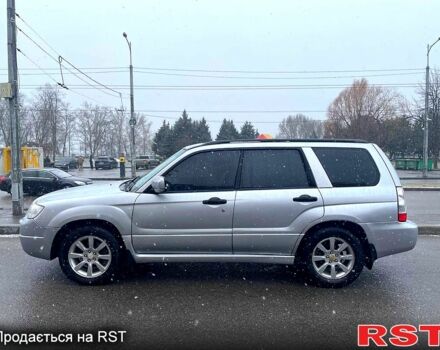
(242, 71)
(55, 80)
(216, 120)
(287, 111)
(278, 71)
(62, 59)
(57, 61)
(57, 70)
(241, 87)
(153, 114)
(280, 78)
(240, 77)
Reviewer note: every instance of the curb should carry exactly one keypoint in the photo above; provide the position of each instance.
(421, 188)
(11, 229)
(424, 230)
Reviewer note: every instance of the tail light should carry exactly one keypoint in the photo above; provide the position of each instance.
(401, 206)
(2, 178)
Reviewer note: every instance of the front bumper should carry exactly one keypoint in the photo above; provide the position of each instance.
(391, 238)
(36, 240)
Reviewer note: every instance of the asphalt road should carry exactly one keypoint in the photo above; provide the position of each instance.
(423, 207)
(220, 305)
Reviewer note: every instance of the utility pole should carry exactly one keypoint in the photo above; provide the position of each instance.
(132, 118)
(17, 183)
(426, 117)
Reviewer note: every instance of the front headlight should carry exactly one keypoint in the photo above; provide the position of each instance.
(34, 210)
(79, 183)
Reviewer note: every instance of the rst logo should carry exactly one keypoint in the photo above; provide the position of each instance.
(399, 335)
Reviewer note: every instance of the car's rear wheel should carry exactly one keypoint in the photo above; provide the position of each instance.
(89, 255)
(331, 257)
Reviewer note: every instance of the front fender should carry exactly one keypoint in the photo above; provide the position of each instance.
(120, 217)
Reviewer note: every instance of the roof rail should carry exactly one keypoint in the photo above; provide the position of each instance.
(218, 142)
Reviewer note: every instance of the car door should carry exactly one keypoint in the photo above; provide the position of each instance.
(194, 214)
(30, 181)
(47, 181)
(275, 200)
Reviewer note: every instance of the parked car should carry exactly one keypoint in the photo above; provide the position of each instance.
(5, 183)
(329, 207)
(66, 163)
(104, 162)
(147, 161)
(40, 181)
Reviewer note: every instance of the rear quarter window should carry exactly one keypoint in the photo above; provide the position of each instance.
(348, 167)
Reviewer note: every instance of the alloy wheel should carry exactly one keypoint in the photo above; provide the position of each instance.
(333, 258)
(89, 256)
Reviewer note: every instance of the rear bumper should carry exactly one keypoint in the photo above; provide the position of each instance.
(391, 238)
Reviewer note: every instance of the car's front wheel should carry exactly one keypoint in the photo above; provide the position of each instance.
(332, 257)
(89, 255)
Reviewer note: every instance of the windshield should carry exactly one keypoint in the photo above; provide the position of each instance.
(139, 182)
(60, 173)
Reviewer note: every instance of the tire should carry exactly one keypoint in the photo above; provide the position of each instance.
(311, 259)
(107, 257)
(64, 187)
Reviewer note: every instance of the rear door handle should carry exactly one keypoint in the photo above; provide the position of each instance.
(305, 198)
(214, 201)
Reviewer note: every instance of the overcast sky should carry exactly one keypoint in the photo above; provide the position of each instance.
(229, 35)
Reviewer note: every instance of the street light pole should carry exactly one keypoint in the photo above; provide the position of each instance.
(132, 117)
(16, 183)
(426, 129)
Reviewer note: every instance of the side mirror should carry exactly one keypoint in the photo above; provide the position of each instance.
(158, 184)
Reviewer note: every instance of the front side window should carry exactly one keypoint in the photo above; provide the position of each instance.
(59, 173)
(348, 167)
(273, 169)
(45, 175)
(30, 173)
(205, 171)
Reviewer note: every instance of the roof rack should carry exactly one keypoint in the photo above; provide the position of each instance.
(282, 140)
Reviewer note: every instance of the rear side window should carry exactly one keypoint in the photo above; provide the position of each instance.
(206, 171)
(273, 169)
(348, 167)
(30, 173)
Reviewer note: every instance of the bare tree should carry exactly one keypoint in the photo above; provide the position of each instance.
(45, 118)
(143, 135)
(4, 122)
(93, 123)
(23, 114)
(433, 113)
(300, 126)
(359, 110)
(67, 130)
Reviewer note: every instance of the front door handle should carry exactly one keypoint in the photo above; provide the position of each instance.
(305, 198)
(214, 201)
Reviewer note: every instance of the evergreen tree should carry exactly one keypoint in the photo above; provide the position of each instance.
(248, 132)
(201, 131)
(163, 140)
(183, 132)
(228, 131)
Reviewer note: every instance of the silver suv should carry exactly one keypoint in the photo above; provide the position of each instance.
(331, 207)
